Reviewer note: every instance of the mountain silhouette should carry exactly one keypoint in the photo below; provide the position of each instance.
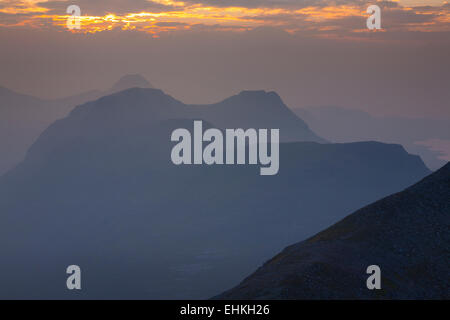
(258, 109)
(24, 117)
(339, 124)
(405, 234)
(98, 189)
(130, 81)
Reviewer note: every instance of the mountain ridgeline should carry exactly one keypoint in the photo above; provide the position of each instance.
(98, 189)
(349, 125)
(405, 234)
(258, 109)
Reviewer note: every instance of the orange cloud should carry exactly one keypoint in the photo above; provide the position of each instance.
(330, 13)
(184, 15)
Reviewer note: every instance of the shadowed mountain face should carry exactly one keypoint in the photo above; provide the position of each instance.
(98, 189)
(406, 235)
(348, 125)
(23, 117)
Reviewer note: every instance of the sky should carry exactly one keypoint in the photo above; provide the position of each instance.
(312, 52)
(157, 16)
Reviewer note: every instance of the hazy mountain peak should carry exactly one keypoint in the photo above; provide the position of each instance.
(140, 100)
(257, 101)
(259, 95)
(260, 109)
(131, 81)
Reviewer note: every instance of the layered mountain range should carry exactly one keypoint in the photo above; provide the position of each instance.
(98, 189)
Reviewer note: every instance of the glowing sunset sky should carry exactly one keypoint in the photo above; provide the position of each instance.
(323, 17)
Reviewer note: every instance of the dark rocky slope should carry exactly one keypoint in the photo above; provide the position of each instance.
(407, 234)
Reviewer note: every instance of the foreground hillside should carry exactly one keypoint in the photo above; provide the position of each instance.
(407, 234)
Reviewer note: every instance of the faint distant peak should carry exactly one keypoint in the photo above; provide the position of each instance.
(131, 81)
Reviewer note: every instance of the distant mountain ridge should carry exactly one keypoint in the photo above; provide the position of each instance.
(406, 234)
(240, 111)
(23, 118)
(339, 124)
(259, 109)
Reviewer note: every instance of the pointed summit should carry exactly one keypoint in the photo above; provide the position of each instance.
(259, 109)
(131, 81)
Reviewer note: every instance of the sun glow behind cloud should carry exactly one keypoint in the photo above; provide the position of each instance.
(187, 15)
